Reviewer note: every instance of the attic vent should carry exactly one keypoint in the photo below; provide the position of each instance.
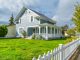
(25, 12)
(29, 11)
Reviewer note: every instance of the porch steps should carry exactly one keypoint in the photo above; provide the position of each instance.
(29, 37)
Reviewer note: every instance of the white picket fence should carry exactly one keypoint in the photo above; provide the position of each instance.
(63, 52)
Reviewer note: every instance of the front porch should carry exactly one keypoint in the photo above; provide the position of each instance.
(47, 31)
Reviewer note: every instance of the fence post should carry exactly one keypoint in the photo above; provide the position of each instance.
(61, 53)
(49, 55)
(78, 42)
(39, 58)
(34, 58)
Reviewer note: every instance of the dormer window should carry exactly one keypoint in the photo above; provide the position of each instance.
(31, 18)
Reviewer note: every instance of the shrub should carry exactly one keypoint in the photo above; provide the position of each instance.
(33, 36)
(24, 33)
(39, 37)
(3, 30)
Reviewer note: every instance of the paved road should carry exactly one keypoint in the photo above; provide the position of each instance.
(78, 57)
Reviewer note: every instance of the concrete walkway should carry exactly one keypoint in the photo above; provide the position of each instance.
(78, 57)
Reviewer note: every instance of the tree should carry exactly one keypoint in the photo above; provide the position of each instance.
(3, 30)
(71, 32)
(24, 33)
(11, 20)
(64, 28)
(76, 17)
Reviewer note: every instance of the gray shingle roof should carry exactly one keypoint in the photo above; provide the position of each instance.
(20, 13)
(23, 11)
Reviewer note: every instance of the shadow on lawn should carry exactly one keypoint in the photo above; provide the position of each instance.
(8, 38)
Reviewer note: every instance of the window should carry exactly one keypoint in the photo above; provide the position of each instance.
(37, 30)
(43, 30)
(53, 30)
(31, 18)
(56, 31)
(49, 30)
(21, 30)
(20, 21)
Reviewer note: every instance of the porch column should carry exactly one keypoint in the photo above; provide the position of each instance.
(39, 30)
(54, 31)
(46, 32)
(60, 32)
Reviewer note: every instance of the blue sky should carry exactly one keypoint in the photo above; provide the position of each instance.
(59, 10)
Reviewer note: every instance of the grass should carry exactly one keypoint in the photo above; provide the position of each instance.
(23, 49)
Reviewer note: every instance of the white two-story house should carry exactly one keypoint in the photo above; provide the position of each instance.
(35, 22)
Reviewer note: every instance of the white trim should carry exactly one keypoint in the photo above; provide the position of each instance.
(39, 30)
(19, 32)
(46, 32)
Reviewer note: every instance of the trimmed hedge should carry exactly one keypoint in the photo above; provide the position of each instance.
(3, 30)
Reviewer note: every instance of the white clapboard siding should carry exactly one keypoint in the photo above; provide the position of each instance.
(62, 52)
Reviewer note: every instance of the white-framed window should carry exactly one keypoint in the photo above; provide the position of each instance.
(31, 18)
(20, 20)
(53, 30)
(20, 30)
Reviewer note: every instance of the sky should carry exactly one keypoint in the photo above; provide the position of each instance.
(59, 10)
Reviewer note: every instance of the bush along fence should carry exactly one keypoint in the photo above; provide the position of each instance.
(62, 52)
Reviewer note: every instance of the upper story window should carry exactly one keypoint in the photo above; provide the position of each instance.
(31, 18)
(21, 30)
(20, 21)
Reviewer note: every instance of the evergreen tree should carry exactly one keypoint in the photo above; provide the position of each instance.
(11, 20)
(76, 17)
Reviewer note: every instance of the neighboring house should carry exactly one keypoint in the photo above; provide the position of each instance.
(11, 31)
(35, 22)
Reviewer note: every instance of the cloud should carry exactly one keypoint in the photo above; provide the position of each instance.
(44, 6)
(60, 10)
(64, 11)
(7, 7)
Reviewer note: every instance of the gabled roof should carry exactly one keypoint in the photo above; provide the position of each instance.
(23, 11)
(46, 18)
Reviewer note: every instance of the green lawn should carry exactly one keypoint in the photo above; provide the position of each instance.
(23, 49)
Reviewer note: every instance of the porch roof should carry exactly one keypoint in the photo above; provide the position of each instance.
(45, 24)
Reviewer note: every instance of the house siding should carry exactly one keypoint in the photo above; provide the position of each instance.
(26, 23)
(25, 20)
